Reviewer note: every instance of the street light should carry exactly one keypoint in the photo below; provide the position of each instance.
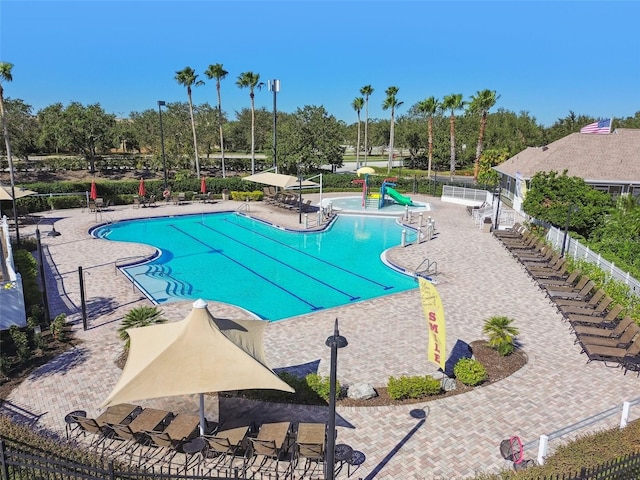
(571, 208)
(335, 342)
(499, 194)
(274, 86)
(299, 195)
(161, 103)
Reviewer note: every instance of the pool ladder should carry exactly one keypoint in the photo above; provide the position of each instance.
(427, 270)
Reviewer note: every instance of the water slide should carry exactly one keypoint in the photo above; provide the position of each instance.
(398, 197)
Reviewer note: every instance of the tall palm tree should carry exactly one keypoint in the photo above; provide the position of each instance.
(357, 105)
(188, 78)
(428, 107)
(5, 76)
(481, 102)
(367, 90)
(219, 73)
(391, 102)
(251, 81)
(453, 102)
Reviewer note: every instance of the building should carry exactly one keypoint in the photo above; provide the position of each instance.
(609, 162)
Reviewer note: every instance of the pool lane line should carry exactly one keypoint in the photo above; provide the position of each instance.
(333, 265)
(254, 272)
(301, 272)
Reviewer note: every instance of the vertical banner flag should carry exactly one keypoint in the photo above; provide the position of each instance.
(434, 313)
(602, 126)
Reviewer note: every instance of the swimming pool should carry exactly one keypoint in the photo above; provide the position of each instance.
(272, 272)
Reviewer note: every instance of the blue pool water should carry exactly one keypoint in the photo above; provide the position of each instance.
(269, 271)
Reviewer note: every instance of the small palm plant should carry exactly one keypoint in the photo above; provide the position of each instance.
(142, 316)
(501, 334)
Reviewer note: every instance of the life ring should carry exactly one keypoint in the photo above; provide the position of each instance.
(166, 194)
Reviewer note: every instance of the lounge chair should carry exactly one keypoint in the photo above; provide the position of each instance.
(224, 446)
(592, 302)
(272, 443)
(586, 330)
(310, 445)
(575, 295)
(570, 280)
(614, 355)
(609, 318)
(599, 309)
(623, 341)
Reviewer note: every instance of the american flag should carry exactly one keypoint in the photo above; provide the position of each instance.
(602, 126)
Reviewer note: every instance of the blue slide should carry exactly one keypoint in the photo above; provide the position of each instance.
(398, 197)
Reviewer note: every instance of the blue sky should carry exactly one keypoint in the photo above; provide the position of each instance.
(543, 57)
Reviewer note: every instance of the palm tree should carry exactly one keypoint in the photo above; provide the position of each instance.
(5, 76)
(187, 78)
(142, 316)
(453, 102)
(216, 71)
(357, 105)
(501, 334)
(391, 102)
(367, 90)
(428, 107)
(251, 81)
(481, 103)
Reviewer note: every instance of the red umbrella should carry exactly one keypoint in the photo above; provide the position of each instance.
(94, 191)
(141, 190)
(203, 185)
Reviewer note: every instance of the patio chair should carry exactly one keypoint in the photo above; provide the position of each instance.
(612, 355)
(591, 302)
(224, 445)
(310, 445)
(608, 319)
(270, 444)
(599, 309)
(511, 449)
(569, 287)
(574, 294)
(623, 341)
(102, 436)
(550, 282)
(587, 330)
(136, 201)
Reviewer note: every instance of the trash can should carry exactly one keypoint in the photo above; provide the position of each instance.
(487, 224)
(225, 194)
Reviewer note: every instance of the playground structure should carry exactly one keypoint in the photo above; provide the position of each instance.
(378, 199)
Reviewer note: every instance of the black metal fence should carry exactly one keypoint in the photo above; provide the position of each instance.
(623, 468)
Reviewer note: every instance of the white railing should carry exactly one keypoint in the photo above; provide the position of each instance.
(464, 194)
(577, 251)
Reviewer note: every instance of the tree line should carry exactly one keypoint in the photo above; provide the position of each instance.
(433, 134)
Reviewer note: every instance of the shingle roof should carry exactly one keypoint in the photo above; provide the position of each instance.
(611, 158)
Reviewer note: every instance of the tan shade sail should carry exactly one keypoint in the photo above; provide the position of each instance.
(199, 354)
(5, 192)
(278, 180)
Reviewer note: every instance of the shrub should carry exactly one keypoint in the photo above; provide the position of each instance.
(470, 372)
(27, 266)
(57, 327)
(5, 365)
(412, 387)
(142, 316)
(321, 385)
(501, 334)
(21, 342)
(250, 196)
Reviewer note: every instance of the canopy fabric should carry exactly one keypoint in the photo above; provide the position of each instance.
(199, 354)
(5, 192)
(278, 180)
(365, 171)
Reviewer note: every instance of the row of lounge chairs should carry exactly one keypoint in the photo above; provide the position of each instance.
(593, 316)
(286, 201)
(158, 440)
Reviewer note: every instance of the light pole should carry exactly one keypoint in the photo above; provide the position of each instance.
(571, 208)
(335, 342)
(274, 86)
(299, 195)
(161, 103)
(499, 193)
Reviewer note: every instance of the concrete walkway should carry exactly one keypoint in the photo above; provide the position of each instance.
(460, 435)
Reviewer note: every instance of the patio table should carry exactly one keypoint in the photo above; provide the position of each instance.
(121, 414)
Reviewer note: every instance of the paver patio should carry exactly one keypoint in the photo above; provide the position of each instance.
(460, 435)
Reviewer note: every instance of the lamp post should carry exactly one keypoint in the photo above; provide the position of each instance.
(299, 195)
(499, 193)
(571, 208)
(43, 279)
(161, 103)
(274, 86)
(335, 342)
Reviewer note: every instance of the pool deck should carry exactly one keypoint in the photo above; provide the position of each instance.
(387, 336)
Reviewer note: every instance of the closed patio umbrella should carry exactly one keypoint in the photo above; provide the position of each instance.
(203, 185)
(94, 190)
(141, 189)
(199, 354)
